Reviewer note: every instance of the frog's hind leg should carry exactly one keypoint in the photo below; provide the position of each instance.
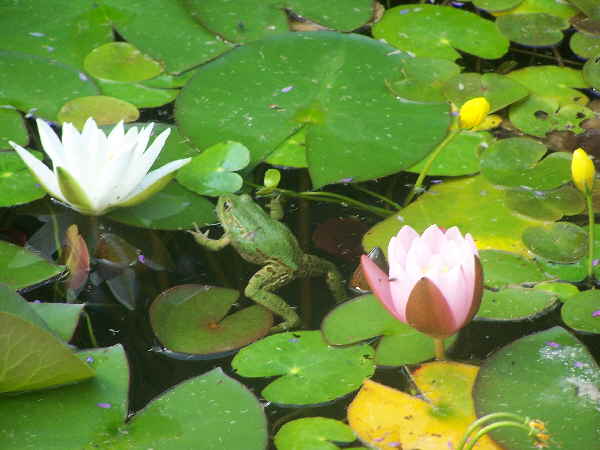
(313, 266)
(270, 278)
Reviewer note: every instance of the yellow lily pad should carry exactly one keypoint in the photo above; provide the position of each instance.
(386, 418)
(105, 110)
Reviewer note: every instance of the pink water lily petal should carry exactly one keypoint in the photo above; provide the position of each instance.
(428, 311)
(378, 282)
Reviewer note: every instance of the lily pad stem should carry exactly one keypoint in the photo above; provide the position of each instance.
(591, 219)
(454, 130)
(507, 423)
(440, 351)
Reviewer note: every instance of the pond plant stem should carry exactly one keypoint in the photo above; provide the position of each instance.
(381, 197)
(440, 351)
(591, 220)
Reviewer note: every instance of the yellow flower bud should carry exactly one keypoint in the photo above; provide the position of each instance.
(473, 112)
(582, 171)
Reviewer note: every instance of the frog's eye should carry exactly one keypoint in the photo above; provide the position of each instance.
(227, 204)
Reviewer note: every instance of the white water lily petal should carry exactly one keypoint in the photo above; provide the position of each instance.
(40, 171)
(100, 172)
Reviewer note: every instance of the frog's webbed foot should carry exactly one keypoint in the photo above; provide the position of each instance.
(211, 244)
(267, 279)
(313, 266)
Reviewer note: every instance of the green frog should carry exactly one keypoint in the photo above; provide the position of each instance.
(261, 239)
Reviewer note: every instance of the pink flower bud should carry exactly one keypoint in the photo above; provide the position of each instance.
(435, 281)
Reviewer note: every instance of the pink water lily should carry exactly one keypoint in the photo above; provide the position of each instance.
(435, 280)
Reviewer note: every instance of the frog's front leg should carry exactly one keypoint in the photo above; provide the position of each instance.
(313, 266)
(211, 244)
(269, 278)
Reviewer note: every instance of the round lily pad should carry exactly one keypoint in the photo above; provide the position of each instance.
(249, 20)
(12, 128)
(213, 171)
(138, 94)
(310, 371)
(585, 45)
(502, 269)
(536, 30)
(499, 90)
(515, 304)
(552, 81)
(591, 71)
(563, 290)
(548, 376)
(559, 9)
(436, 31)
(399, 344)
(561, 242)
(104, 110)
(546, 205)
(164, 30)
(313, 433)
(17, 184)
(333, 85)
(582, 312)
(191, 319)
(120, 61)
(40, 85)
(516, 162)
(21, 267)
(172, 208)
(540, 115)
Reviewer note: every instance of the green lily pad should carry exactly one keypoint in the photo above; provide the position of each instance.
(493, 226)
(582, 312)
(62, 30)
(585, 45)
(435, 31)
(553, 81)
(561, 242)
(561, 375)
(164, 30)
(120, 61)
(249, 20)
(517, 162)
(536, 30)
(173, 208)
(62, 318)
(563, 290)
(212, 172)
(170, 81)
(191, 319)
(105, 110)
(313, 433)
(35, 84)
(333, 86)
(515, 304)
(400, 344)
(499, 90)
(459, 157)
(138, 94)
(17, 184)
(422, 79)
(546, 205)
(309, 370)
(213, 411)
(22, 268)
(502, 269)
(591, 71)
(35, 359)
(12, 128)
(566, 272)
(292, 152)
(13, 303)
(559, 9)
(589, 7)
(496, 5)
(540, 115)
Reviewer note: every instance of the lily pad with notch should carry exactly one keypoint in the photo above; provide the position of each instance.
(518, 162)
(399, 344)
(502, 269)
(581, 312)
(191, 319)
(121, 61)
(308, 370)
(516, 304)
(534, 30)
(561, 242)
(436, 31)
(549, 205)
(564, 377)
(329, 83)
(313, 433)
(553, 81)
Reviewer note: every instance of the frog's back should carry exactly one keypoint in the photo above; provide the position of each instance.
(260, 239)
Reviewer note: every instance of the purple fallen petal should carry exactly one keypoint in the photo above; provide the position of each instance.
(553, 344)
(596, 313)
(287, 89)
(104, 405)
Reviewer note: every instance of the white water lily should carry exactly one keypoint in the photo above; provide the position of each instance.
(93, 173)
